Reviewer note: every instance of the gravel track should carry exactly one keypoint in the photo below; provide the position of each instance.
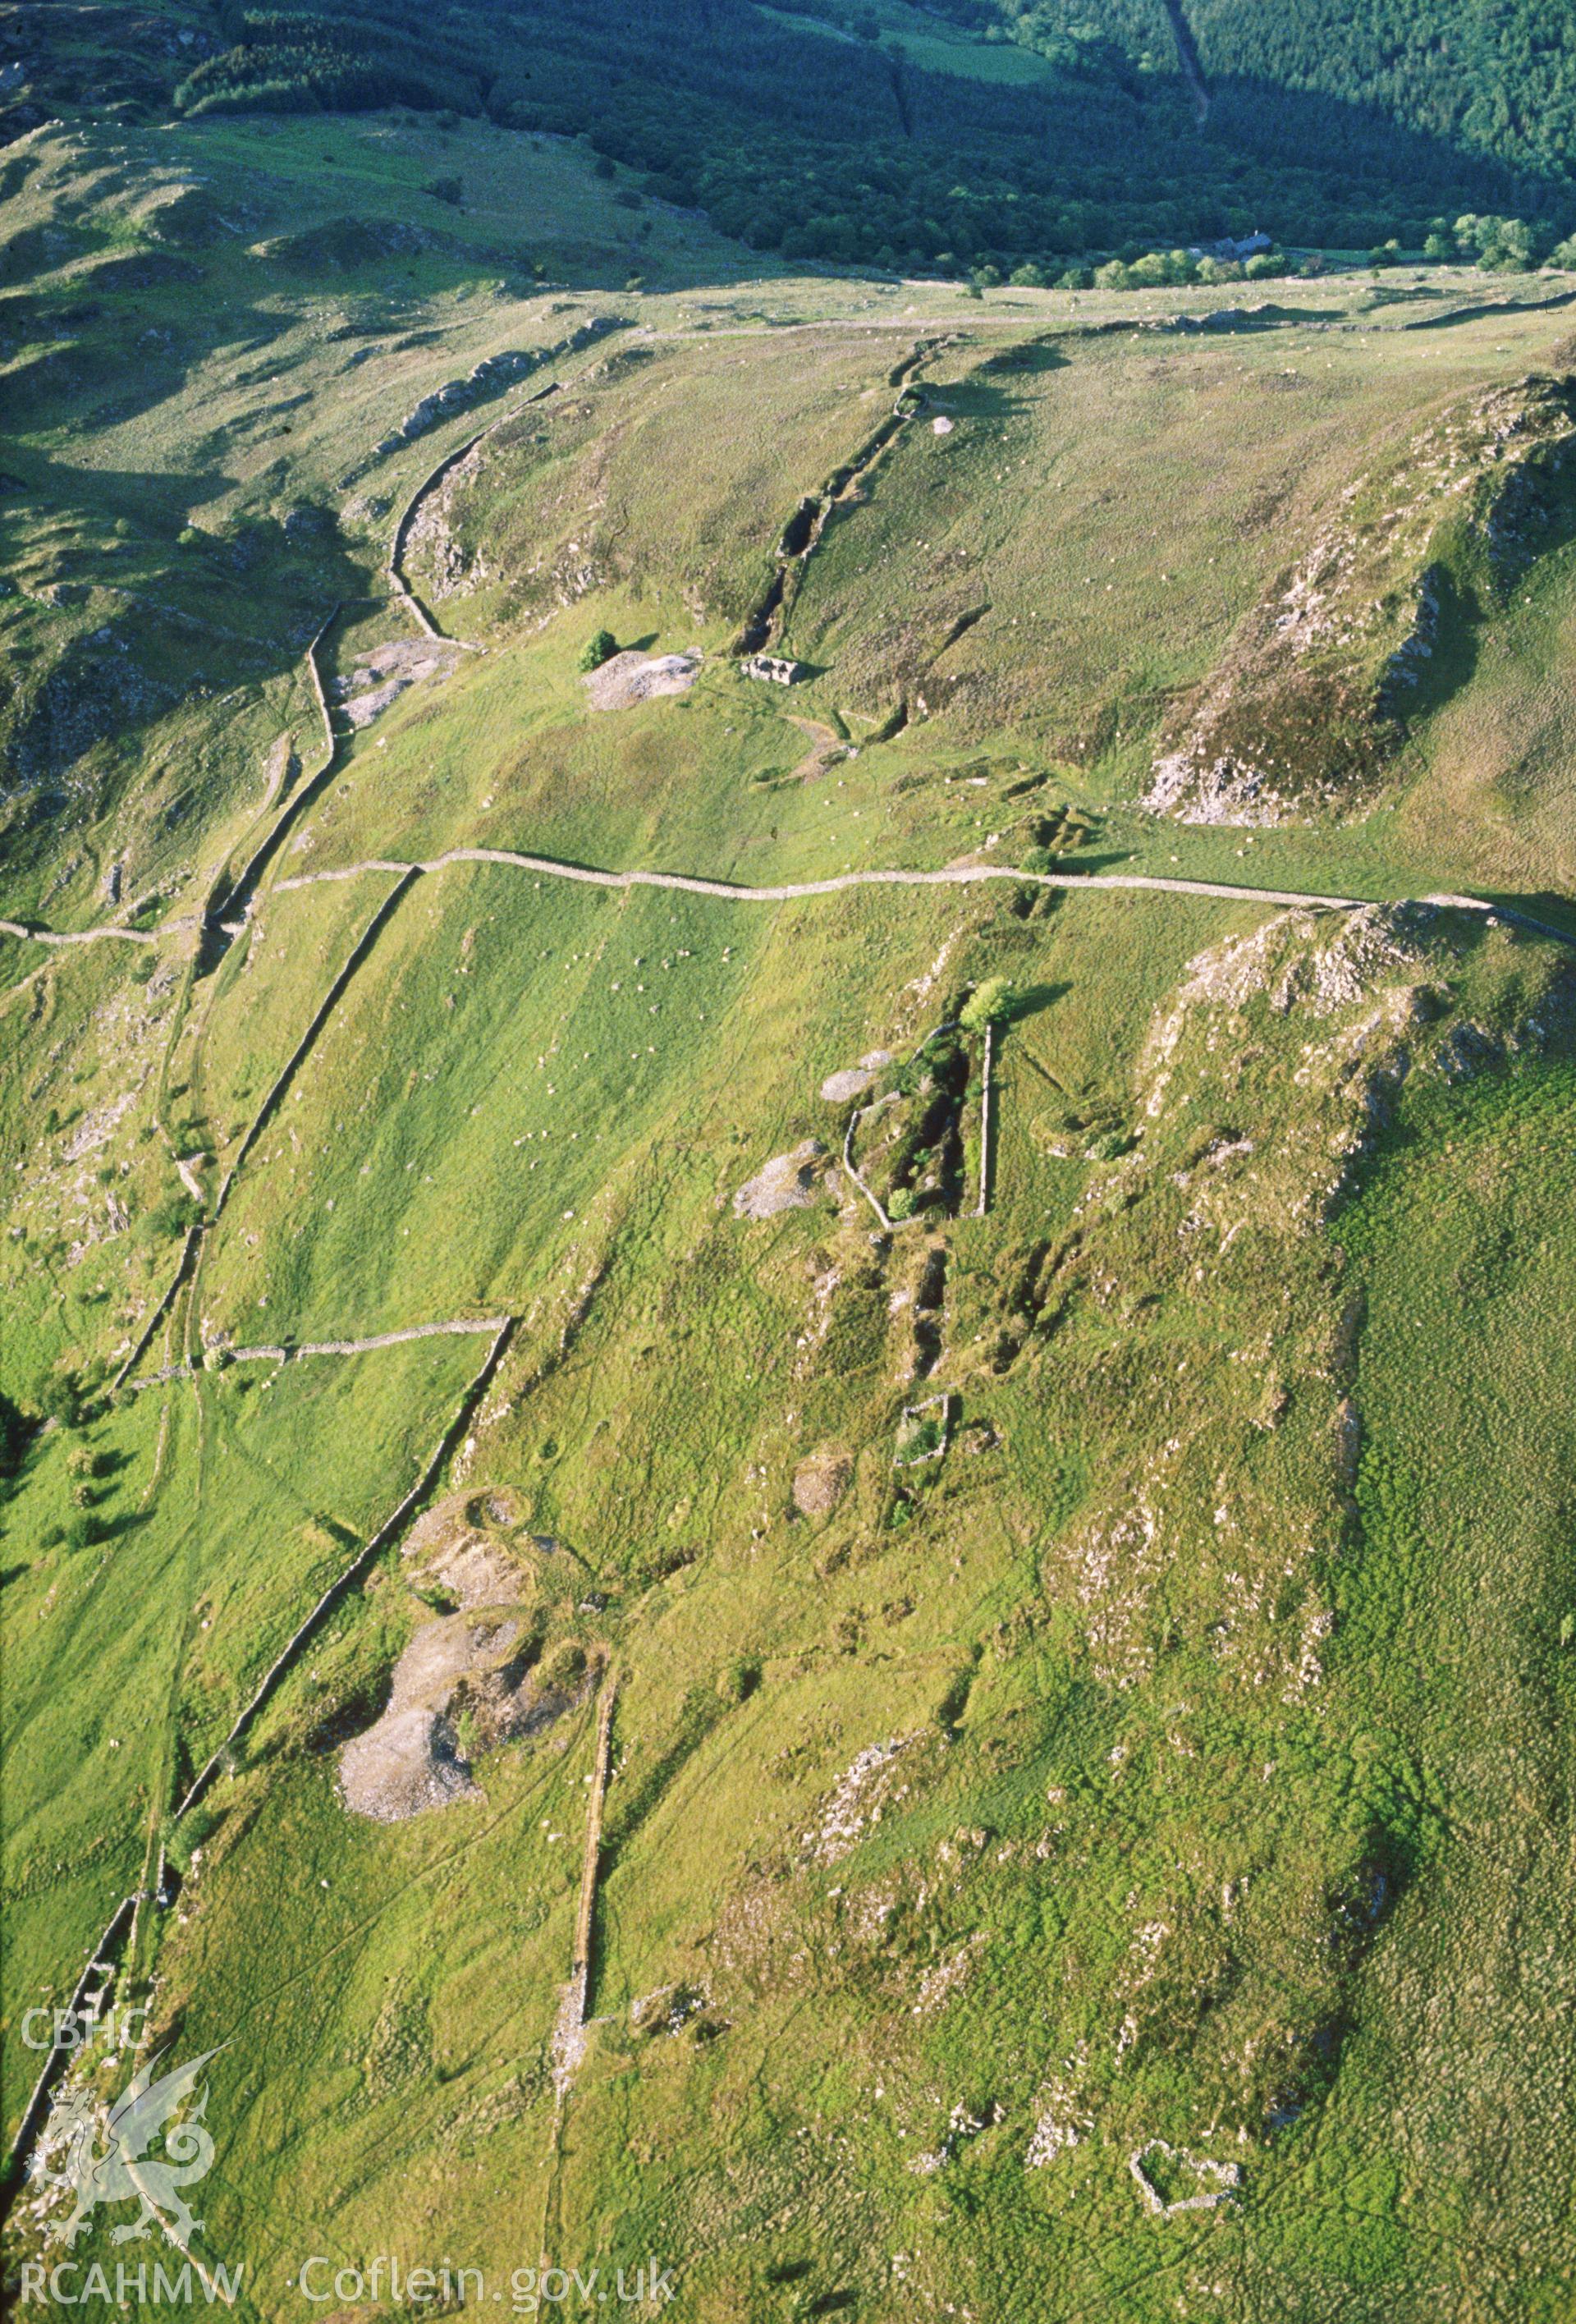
(960, 875)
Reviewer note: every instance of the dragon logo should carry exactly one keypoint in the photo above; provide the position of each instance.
(120, 2169)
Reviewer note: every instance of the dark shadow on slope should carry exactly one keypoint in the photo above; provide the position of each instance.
(1489, 307)
(1267, 315)
(1359, 152)
(1080, 859)
(1033, 357)
(977, 397)
(1029, 1002)
(1541, 907)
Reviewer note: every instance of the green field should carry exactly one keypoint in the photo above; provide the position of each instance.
(1116, 1870)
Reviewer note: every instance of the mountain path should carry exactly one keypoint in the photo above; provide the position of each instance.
(76, 935)
(957, 875)
(287, 1352)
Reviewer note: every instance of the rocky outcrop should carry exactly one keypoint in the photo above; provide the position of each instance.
(487, 378)
(470, 1673)
(380, 677)
(1315, 696)
(626, 678)
(411, 1759)
(820, 1481)
(484, 380)
(787, 1183)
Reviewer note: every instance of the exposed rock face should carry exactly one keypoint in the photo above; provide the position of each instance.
(626, 678)
(410, 1760)
(1262, 1095)
(787, 1183)
(430, 550)
(475, 1662)
(381, 676)
(97, 689)
(841, 1089)
(1370, 996)
(484, 379)
(820, 1481)
(1311, 701)
(475, 1572)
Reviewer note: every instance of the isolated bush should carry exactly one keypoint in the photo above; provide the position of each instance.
(59, 1397)
(171, 1217)
(564, 1665)
(13, 1435)
(446, 189)
(738, 1679)
(598, 649)
(989, 1003)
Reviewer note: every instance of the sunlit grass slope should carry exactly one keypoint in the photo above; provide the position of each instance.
(1169, 1773)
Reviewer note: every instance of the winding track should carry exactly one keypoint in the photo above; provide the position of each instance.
(287, 1352)
(960, 875)
(954, 875)
(76, 935)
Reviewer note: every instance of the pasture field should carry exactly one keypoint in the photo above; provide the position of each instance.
(1114, 1868)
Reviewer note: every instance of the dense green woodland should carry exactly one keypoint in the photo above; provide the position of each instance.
(1497, 78)
(904, 137)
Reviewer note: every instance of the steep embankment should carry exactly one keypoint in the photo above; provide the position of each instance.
(1374, 626)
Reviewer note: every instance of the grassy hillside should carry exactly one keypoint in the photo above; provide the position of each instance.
(1008, 1436)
